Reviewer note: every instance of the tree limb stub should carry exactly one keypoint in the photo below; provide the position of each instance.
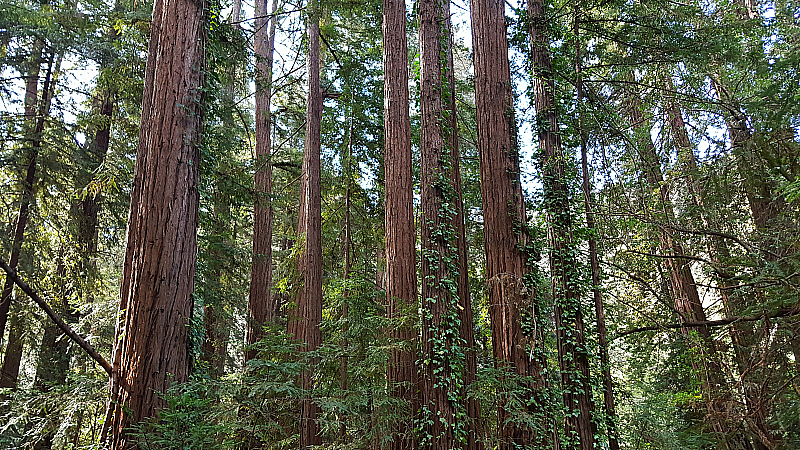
(55, 318)
(782, 312)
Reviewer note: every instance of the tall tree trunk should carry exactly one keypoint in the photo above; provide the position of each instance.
(742, 333)
(684, 289)
(505, 232)
(262, 307)
(29, 183)
(161, 253)
(442, 348)
(572, 354)
(305, 327)
(13, 356)
(401, 264)
(348, 238)
(594, 261)
(466, 315)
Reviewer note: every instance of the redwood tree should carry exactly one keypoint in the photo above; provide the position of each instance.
(572, 354)
(160, 259)
(401, 270)
(443, 412)
(304, 326)
(505, 234)
(261, 306)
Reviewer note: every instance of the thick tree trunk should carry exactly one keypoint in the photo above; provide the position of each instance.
(161, 253)
(261, 305)
(505, 232)
(572, 354)
(401, 264)
(305, 326)
(442, 380)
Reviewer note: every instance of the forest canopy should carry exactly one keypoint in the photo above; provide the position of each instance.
(476, 224)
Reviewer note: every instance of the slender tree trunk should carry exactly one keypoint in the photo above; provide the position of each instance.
(505, 232)
(343, 380)
(594, 261)
(13, 355)
(29, 183)
(262, 307)
(466, 315)
(742, 334)
(305, 327)
(572, 354)
(161, 253)
(684, 289)
(442, 381)
(401, 264)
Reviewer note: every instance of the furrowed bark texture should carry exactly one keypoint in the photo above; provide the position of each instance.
(466, 315)
(305, 325)
(262, 307)
(572, 355)
(161, 253)
(503, 215)
(401, 261)
(442, 348)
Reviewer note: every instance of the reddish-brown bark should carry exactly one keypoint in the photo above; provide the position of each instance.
(160, 258)
(594, 261)
(304, 326)
(401, 264)
(441, 346)
(503, 214)
(261, 305)
(683, 287)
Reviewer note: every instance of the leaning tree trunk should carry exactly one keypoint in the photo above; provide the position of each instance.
(741, 333)
(29, 183)
(161, 254)
(572, 354)
(13, 355)
(505, 232)
(262, 308)
(684, 289)
(401, 264)
(305, 326)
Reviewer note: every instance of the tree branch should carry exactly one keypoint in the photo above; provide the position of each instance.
(54, 317)
(783, 312)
